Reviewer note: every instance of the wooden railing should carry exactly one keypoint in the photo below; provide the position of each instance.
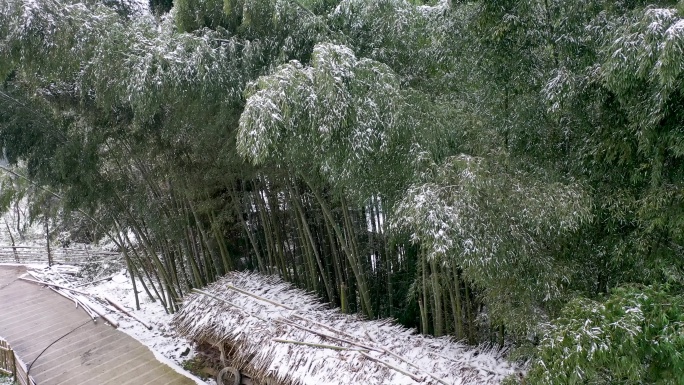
(71, 256)
(11, 365)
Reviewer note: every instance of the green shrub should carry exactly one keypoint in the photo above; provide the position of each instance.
(635, 336)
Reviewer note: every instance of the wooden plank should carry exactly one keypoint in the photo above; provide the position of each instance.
(91, 354)
(21, 376)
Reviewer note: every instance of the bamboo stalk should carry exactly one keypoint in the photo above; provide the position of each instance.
(437, 316)
(402, 371)
(309, 271)
(414, 365)
(322, 325)
(14, 247)
(121, 308)
(125, 239)
(250, 236)
(325, 335)
(364, 291)
(101, 312)
(423, 302)
(456, 303)
(220, 240)
(270, 247)
(229, 304)
(203, 234)
(131, 273)
(316, 345)
(255, 296)
(94, 282)
(88, 311)
(351, 256)
(54, 285)
(152, 256)
(311, 242)
(461, 362)
(277, 231)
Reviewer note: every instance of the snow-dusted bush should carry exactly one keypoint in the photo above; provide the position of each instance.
(635, 336)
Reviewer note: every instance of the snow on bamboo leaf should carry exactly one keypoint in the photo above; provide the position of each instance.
(335, 113)
(127, 62)
(646, 49)
(600, 341)
(493, 225)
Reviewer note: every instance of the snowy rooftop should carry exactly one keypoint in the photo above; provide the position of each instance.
(273, 331)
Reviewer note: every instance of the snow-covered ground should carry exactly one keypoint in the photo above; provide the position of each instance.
(6, 380)
(167, 346)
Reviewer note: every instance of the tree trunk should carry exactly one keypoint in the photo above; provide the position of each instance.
(47, 239)
(353, 260)
(437, 317)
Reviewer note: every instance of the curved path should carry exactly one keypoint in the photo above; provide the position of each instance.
(33, 317)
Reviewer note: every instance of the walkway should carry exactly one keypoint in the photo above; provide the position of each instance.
(33, 317)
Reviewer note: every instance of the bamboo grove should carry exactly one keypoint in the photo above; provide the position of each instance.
(498, 171)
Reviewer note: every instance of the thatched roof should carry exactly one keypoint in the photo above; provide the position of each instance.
(267, 340)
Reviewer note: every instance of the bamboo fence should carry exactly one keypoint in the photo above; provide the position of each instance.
(12, 365)
(63, 255)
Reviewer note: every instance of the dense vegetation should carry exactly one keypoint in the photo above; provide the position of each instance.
(501, 171)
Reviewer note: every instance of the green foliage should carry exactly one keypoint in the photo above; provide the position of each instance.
(195, 366)
(160, 7)
(472, 167)
(418, 43)
(288, 117)
(6, 380)
(12, 190)
(634, 336)
(192, 15)
(501, 228)
(622, 135)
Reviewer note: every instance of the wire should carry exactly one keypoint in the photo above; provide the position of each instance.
(28, 370)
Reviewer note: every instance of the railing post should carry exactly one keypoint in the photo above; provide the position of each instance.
(14, 364)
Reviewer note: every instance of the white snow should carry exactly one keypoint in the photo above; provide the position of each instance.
(264, 321)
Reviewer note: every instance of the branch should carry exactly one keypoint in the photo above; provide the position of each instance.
(258, 297)
(400, 370)
(121, 308)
